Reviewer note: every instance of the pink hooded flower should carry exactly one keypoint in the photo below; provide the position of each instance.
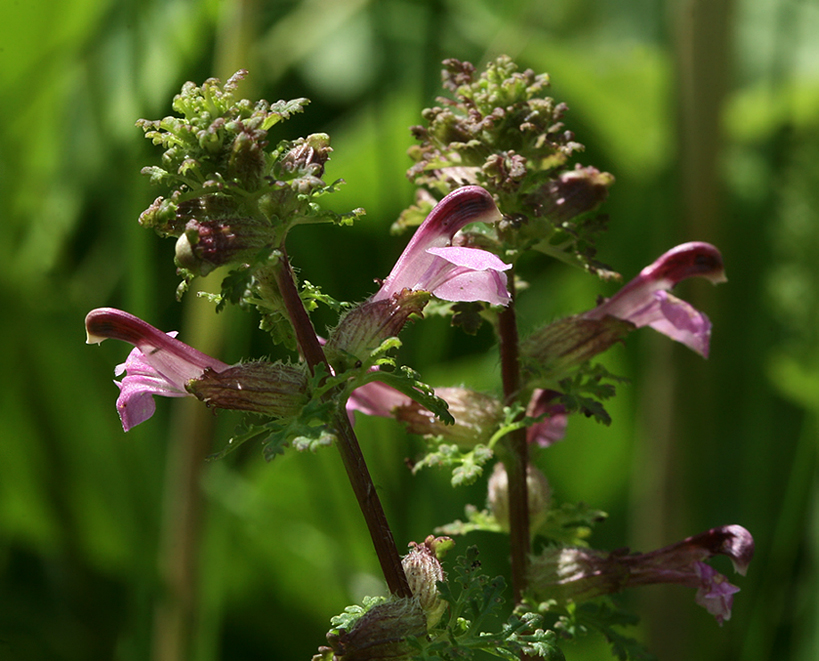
(646, 301)
(159, 364)
(431, 263)
(571, 574)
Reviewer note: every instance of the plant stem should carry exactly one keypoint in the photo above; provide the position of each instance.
(351, 454)
(516, 465)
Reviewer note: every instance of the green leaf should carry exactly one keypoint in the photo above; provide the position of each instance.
(570, 524)
(467, 465)
(604, 617)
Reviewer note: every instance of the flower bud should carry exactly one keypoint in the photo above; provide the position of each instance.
(207, 245)
(217, 232)
(538, 495)
(573, 193)
(380, 634)
(246, 158)
(423, 570)
(161, 216)
(274, 389)
(308, 155)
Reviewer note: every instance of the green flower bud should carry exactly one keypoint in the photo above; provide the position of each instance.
(423, 569)
(539, 495)
(380, 634)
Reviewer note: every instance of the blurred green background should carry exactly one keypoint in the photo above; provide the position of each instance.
(132, 548)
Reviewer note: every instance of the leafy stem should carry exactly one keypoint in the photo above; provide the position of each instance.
(351, 454)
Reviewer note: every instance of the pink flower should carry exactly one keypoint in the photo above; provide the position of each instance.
(158, 365)
(715, 594)
(645, 301)
(431, 263)
(571, 574)
(552, 428)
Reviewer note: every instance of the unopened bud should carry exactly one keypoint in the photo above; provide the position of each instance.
(274, 389)
(573, 193)
(538, 496)
(246, 159)
(162, 217)
(216, 233)
(308, 155)
(423, 570)
(380, 634)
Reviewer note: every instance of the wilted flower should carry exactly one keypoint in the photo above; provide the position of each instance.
(645, 301)
(577, 574)
(162, 365)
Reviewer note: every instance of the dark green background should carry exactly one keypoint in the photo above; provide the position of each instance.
(706, 112)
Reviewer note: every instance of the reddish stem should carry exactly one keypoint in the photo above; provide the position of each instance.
(516, 465)
(351, 454)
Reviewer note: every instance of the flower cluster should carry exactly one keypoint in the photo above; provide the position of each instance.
(494, 162)
(162, 365)
(502, 132)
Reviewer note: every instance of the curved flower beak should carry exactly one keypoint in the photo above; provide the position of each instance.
(578, 574)
(645, 301)
(158, 365)
(431, 263)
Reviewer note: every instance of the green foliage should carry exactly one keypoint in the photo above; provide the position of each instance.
(219, 140)
(232, 199)
(586, 391)
(476, 520)
(475, 601)
(570, 524)
(604, 617)
(467, 465)
(76, 495)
